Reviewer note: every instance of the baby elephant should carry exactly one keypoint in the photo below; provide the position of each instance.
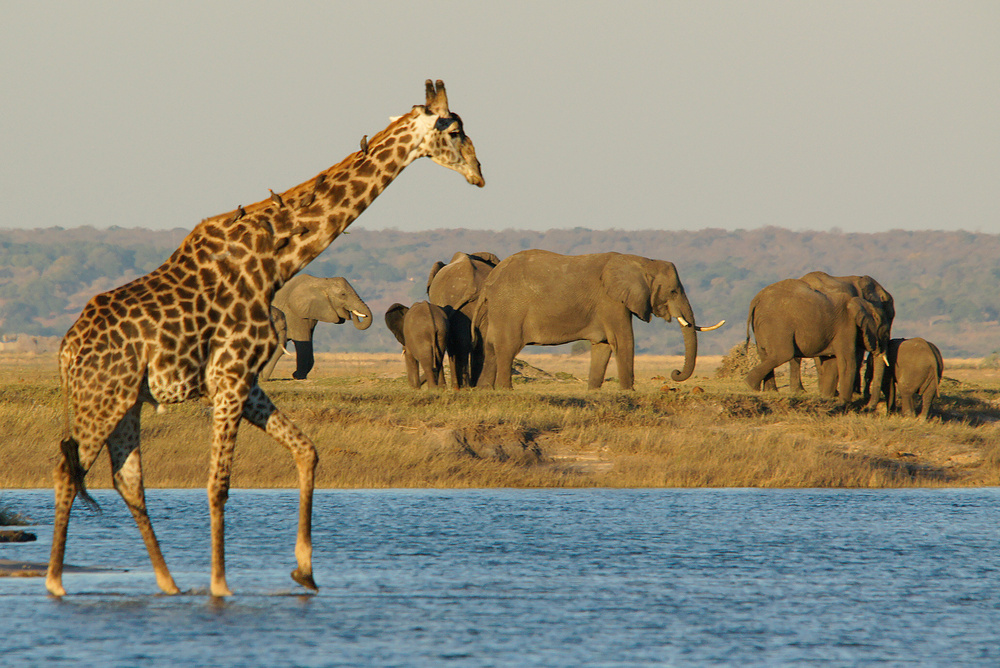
(915, 369)
(423, 331)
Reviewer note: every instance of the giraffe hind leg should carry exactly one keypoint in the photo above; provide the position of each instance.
(262, 413)
(126, 467)
(67, 483)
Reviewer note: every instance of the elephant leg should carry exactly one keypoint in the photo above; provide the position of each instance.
(927, 395)
(505, 365)
(625, 361)
(769, 382)
(763, 373)
(828, 371)
(795, 376)
(600, 355)
(907, 403)
(488, 374)
(457, 369)
(412, 369)
(431, 370)
(303, 359)
(847, 368)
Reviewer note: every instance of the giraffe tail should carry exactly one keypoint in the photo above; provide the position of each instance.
(71, 453)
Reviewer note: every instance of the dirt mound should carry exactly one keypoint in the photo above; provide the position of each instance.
(499, 442)
(738, 361)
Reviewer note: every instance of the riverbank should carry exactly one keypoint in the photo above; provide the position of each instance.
(372, 431)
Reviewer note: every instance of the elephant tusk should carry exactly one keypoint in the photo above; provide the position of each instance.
(884, 358)
(684, 323)
(709, 329)
(359, 314)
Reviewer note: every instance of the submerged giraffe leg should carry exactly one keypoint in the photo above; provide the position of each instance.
(78, 454)
(126, 467)
(262, 413)
(226, 415)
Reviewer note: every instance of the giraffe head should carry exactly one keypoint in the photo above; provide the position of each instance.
(446, 142)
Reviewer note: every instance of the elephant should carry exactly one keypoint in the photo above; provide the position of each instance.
(790, 319)
(915, 369)
(457, 284)
(422, 329)
(871, 291)
(543, 298)
(305, 301)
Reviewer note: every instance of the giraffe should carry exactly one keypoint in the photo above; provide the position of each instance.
(199, 326)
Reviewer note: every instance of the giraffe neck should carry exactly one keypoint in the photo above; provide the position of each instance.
(319, 210)
(259, 247)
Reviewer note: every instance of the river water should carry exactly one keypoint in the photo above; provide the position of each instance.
(525, 578)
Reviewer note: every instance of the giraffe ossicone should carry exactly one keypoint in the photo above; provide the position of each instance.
(199, 326)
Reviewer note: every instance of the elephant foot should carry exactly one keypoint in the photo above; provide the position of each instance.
(297, 376)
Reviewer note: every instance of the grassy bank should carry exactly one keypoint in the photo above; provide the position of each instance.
(371, 430)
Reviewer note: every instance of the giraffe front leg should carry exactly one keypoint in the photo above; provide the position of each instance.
(261, 412)
(227, 411)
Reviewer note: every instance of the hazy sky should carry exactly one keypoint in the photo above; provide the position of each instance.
(863, 116)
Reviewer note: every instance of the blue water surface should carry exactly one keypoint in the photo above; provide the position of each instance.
(525, 578)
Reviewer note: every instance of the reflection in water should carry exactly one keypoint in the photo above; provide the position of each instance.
(515, 577)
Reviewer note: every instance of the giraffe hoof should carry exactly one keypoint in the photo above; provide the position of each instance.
(306, 580)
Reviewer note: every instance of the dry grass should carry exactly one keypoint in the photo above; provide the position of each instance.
(372, 431)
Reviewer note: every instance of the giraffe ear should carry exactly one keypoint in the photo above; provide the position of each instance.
(437, 99)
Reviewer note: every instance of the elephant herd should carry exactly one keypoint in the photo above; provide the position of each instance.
(481, 312)
(835, 320)
(493, 308)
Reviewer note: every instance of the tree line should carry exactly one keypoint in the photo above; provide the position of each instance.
(944, 283)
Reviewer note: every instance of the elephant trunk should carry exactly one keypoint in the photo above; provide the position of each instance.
(878, 361)
(685, 317)
(690, 353)
(361, 316)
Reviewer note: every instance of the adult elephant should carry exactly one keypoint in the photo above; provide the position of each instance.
(542, 298)
(790, 319)
(305, 301)
(457, 285)
(870, 290)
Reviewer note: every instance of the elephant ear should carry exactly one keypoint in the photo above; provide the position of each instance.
(394, 321)
(434, 272)
(319, 307)
(487, 257)
(625, 281)
(867, 320)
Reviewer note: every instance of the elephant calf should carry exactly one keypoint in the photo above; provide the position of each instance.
(915, 370)
(422, 329)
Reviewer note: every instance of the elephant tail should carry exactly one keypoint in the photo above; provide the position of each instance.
(479, 316)
(438, 351)
(746, 343)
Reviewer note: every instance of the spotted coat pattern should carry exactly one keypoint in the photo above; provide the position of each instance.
(199, 326)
